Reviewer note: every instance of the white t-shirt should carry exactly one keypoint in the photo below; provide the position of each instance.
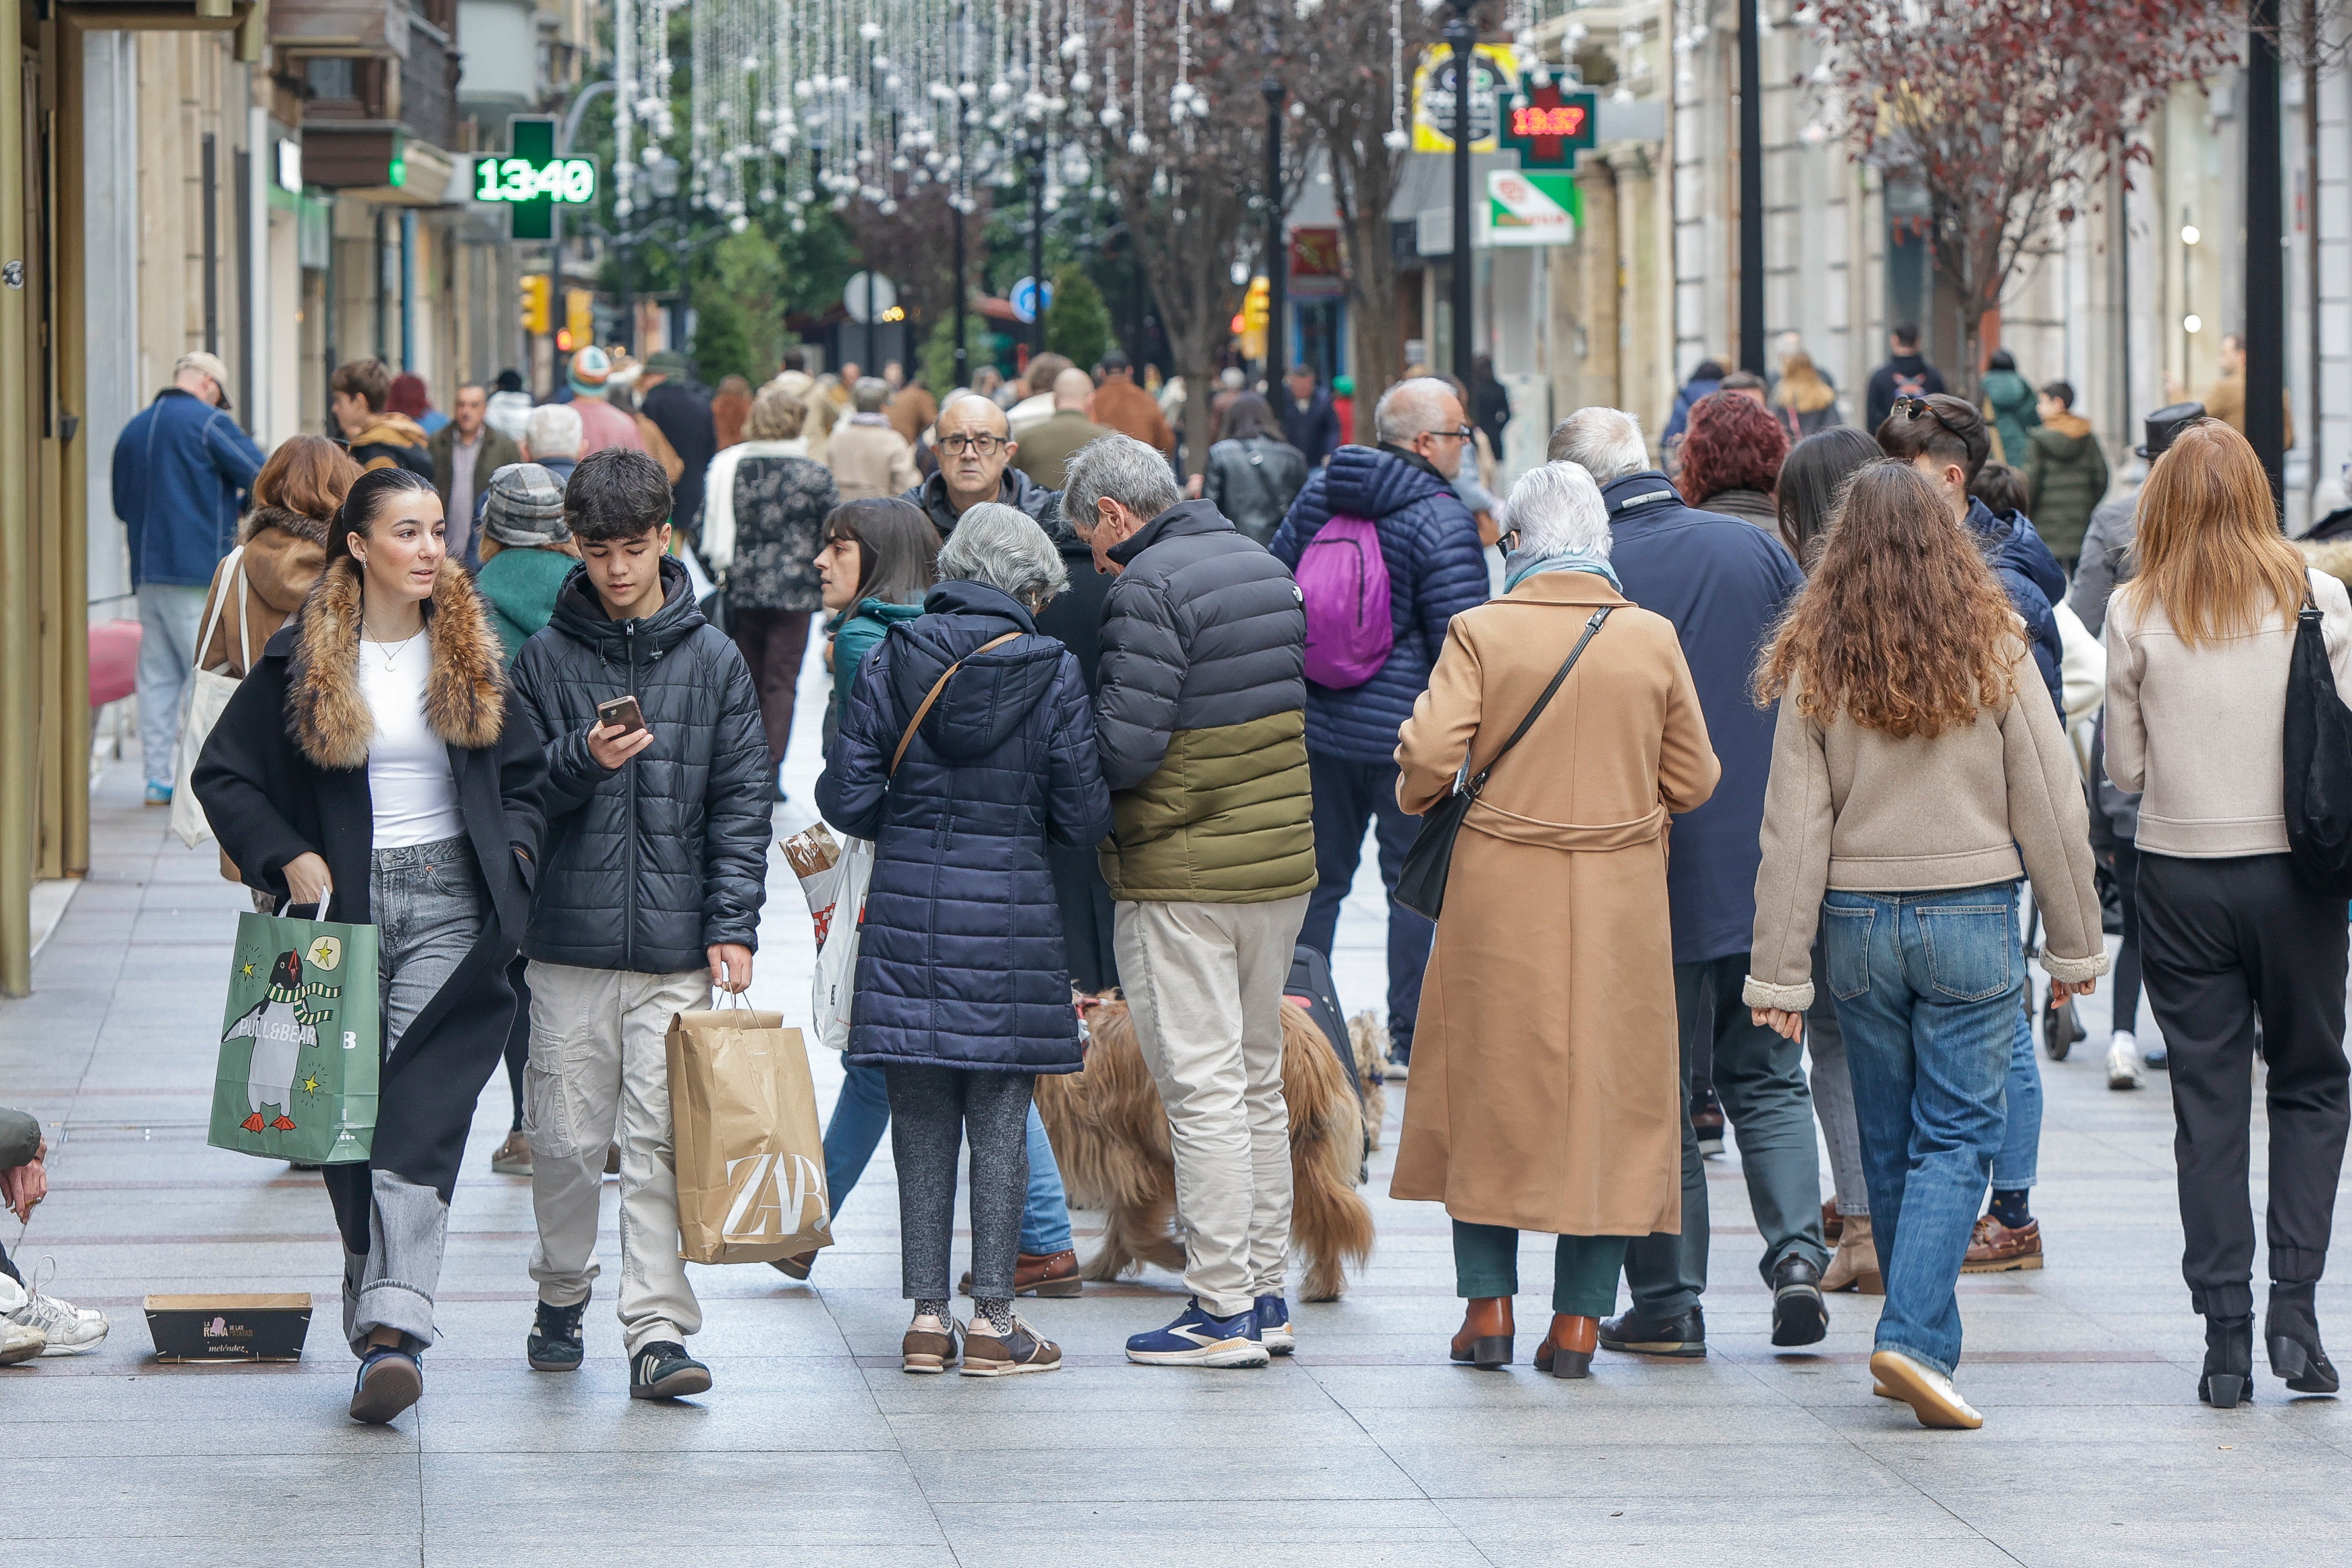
(409, 781)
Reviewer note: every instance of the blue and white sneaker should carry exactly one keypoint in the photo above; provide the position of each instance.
(1196, 1339)
(1273, 1325)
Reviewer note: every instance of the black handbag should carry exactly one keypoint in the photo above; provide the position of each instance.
(2318, 756)
(1420, 885)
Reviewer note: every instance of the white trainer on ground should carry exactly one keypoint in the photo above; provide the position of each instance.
(1928, 1393)
(17, 1341)
(2122, 1062)
(69, 1330)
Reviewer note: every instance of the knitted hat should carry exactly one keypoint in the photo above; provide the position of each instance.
(590, 367)
(525, 508)
(666, 361)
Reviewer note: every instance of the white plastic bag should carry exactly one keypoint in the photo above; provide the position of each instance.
(836, 986)
(201, 700)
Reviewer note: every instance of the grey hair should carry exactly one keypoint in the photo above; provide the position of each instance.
(1605, 442)
(553, 430)
(1004, 548)
(1409, 408)
(1123, 469)
(870, 394)
(1556, 508)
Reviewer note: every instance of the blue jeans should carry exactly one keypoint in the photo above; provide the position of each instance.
(862, 1115)
(2015, 1164)
(1929, 988)
(1349, 795)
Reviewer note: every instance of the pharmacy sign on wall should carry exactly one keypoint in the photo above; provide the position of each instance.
(1525, 208)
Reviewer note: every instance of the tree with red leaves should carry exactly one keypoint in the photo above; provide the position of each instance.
(2008, 111)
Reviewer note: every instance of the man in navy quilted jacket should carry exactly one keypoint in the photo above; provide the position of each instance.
(1430, 546)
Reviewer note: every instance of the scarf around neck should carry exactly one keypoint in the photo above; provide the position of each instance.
(1522, 564)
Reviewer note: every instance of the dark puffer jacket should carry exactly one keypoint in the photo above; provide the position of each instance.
(961, 962)
(2034, 582)
(647, 866)
(1435, 571)
(1254, 481)
(1200, 704)
(1016, 489)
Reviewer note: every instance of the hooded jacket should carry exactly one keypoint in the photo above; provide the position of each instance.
(2034, 581)
(520, 584)
(961, 962)
(1904, 375)
(397, 441)
(1201, 710)
(1436, 570)
(180, 466)
(284, 554)
(649, 864)
(1016, 489)
(856, 635)
(2012, 407)
(2065, 479)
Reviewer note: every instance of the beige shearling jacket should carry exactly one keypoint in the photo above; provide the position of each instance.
(1862, 811)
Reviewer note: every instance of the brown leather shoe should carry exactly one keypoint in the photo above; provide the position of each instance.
(1566, 1349)
(1483, 1340)
(1994, 1248)
(1038, 1274)
(796, 1267)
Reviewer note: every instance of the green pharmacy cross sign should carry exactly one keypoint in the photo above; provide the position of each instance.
(1551, 127)
(532, 179)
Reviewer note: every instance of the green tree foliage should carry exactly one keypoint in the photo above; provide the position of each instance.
(939, 351)
(738, 302)
(1077, 326)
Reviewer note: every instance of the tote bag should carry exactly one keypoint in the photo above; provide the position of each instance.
(301, 1042)
(201, 701)
(2317, 746)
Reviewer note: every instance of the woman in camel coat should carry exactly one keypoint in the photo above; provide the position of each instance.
(1545, 1083)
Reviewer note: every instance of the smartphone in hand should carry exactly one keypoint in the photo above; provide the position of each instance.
(621, 715)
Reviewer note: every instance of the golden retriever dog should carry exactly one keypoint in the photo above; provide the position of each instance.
(1369, 1038)
(1111, 1134)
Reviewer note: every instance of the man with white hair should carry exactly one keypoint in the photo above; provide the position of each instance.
(1210, 859)
(1435, 568)
(1722, 582)
(552, 437)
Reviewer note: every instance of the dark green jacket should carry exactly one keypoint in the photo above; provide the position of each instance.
(519, 585)
(2065, 477)
(853, 637)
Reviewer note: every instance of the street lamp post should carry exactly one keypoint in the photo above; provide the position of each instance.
(1751, 190)
(1278, 254)
(960, 372)
(1037, 246)
(1464, 40)
(2265, 338)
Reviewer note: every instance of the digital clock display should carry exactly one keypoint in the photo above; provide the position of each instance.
(1537, 119)
(568, 180)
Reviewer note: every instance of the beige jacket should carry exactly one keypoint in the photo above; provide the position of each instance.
(1859, 810)
(2201, 730)
(870, 462)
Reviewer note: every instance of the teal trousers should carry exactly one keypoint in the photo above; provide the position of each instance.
(1584, 1269)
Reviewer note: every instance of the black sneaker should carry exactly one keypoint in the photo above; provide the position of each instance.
(554, 1343)
(1799, 1314)
(1684, 1334)
(663, 1369)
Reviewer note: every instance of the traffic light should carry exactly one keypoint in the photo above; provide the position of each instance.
(538, 304)
(580, 314)
(1255, 305)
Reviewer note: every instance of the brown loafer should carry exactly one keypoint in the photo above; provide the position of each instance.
(1566, 1349)
(1995, 1249)
(1484, 1341)
(924, 1352)
(1038, 1274)
(987, 1355)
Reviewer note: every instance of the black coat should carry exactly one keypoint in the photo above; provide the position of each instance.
(1314, 429)
(683, 414)
(1074, 620)
(1253, 481)
(961, 962)
(278, 781)
(648, 865)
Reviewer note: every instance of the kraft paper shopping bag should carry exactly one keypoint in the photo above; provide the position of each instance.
(751, 1160)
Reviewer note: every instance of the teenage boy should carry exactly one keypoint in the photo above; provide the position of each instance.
(648, 895)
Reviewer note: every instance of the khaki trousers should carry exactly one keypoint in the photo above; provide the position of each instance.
(599, 1072)
(1203, 984)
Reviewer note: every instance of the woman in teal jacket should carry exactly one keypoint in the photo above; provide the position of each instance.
(2009, 408)
(881, 557)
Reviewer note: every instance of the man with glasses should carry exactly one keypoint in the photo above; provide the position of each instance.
(975, 449)
(1429, 544)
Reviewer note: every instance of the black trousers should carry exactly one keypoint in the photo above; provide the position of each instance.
(2220, 941)
(2127, 957)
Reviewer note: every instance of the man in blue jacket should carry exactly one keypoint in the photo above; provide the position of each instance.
(1722, 582)
(1309, 421)
(181, 469)
(1430, 546)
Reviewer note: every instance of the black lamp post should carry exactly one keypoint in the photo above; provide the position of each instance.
(2265, 338)
(1463, 38)
(960, 372)
(1278, 254)
(1751, 191)
(1037, 245)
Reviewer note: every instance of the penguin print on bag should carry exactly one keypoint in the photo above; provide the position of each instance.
(280, 1025)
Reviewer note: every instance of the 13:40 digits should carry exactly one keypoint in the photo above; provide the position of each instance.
(571, 179)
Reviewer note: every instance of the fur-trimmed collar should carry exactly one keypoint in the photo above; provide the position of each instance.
(311, 528)
(327, 713)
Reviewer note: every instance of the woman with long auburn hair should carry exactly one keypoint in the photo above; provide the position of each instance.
(1918, 772)
(2199, 645)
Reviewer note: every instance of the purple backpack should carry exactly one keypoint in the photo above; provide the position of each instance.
(1344, 584)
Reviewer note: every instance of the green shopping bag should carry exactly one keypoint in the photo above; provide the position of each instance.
(301, 1042)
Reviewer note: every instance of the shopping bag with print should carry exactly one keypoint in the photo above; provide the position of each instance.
(750, 1161)
(300, 1041)
(834, 987)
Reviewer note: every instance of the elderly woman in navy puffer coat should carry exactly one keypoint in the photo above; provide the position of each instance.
(968, 741)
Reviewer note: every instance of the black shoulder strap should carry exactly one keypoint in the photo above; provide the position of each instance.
(1590, 626)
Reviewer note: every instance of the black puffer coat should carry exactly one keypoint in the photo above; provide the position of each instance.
(645, 866)
(960, 961)
(1253, 481)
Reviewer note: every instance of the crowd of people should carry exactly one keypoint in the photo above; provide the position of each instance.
(1106, 729)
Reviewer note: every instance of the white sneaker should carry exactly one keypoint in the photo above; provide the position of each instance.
(2122, 1062)
(1928, 1393)
(69, 1330)
(17, 1343)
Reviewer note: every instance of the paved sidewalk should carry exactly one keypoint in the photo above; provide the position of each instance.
(1366, 1448)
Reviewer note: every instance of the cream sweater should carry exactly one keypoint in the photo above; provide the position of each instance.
(1860, 810)
(2201, 730)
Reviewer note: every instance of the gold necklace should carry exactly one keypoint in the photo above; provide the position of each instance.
(391, 659)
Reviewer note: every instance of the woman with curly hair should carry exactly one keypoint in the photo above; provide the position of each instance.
(1731, 458)
(1917, 773)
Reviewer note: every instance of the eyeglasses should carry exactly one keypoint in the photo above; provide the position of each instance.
(986, 446)
(1462, 433)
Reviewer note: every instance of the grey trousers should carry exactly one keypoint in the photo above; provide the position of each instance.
(1833, 1089)
(1760, 1079)
(932, 1109)
(428, 906)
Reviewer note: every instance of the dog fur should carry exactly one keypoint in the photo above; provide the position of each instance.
(1111, 1134)
(327, 713)
(1368, 1037)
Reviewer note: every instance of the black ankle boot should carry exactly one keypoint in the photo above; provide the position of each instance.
(2292, 1334)
(2229, 1362)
